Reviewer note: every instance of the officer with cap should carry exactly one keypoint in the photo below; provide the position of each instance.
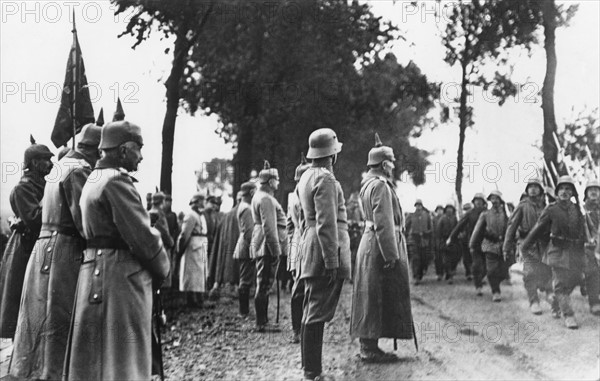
(293, 233)
(564, 223)
(124, 256)
(465, 226)
(51, 279)
(269, 241)
(241, 252)
(324, 255)
(591, 206)
(25, 202)
(418, 228)
(488, 236)
(381, 305)
(536, 274)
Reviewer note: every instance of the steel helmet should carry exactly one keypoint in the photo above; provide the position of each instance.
(418, 201)
(158, 197)
(323, 143)
(196, 197)
(35, 151)
(497, 193)
(535, 181)
(380, 152)
(480, 196)
(565, 180)
(590, 184)
(90, 135)
(268, 173)
(116, 133)
(301, 168)
(449, 205)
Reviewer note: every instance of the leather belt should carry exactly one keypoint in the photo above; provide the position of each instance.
(370, 225)
(66, 230)
(107, 243)
(198, 235)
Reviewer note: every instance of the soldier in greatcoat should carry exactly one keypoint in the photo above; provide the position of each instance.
(110, 337)
(419, 228)
(52, 271)
(324, 246)
(241, 252)
(381, 296)
(592, 271)
(536, 274)
(564, 223)
(450, 253)
(26, 204)
(269, 241)
(158, 220)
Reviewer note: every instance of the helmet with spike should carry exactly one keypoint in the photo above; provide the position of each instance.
(380, 153)
(267, 173)
(35, 151)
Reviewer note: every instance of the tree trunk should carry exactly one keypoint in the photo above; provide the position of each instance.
(462, 126)
(243, 158)
(549, 148)
(168, 131)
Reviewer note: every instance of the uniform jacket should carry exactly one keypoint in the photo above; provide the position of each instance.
(51, 277)
(520, 224)
(26, 204)
(381, 297)
(564, 223)
(110, 335)
(324, 242)
(245, 226)
(445, 226)
(268, 236)
(293, 227)
(221, 258)
(467, 223)
(489, 231)
(419, 223)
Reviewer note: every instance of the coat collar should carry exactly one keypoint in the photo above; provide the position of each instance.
(108, 163)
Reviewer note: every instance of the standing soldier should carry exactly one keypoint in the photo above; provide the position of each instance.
(124, 257)
(438, 243)
(158, 220)
(466, 225)
(294, 231)
(53, 268)
(324, 246)
(489, 236)
(450, 253)
(591, 201)
(565, 256)
(268, 241)
(173, 225)
(418, 226)
(191, 246)
(381, 296)
(26, 204)
(536, 274)
(242, 248)
(463, 245)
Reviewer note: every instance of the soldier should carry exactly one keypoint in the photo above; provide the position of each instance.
(158, 220)
(241, 252)
(268, 241)
(324, 246)
(438, 243)
(53, 268)
(450, 253)
(294, 231)
(26, 204)
(565, 255)
(591, 201)
(381, 295)
(356, 225)
(488, 236)
(466, 225)
(536, 274)
(418, 226)
(191, 246)
(173, 224)
(124, 256)
(463, 245)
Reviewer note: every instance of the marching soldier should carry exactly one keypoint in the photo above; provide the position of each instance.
(466, 225)
(450, 253)
(463, 245)
(242, 248)
(418, 227)
(294, 231)
(381, 295)
(324, 246)
(110, 334)
(566, 252)
(158, 220)
(438, 243)
(536, 274)
(53, 268)
(26, 204)
(592, 271)
(488, 236)
(269, 241)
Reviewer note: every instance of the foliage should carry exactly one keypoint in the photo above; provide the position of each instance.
(581, 131)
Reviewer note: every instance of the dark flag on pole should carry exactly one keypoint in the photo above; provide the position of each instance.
(119, 113)
(100, 120)
(75, 105)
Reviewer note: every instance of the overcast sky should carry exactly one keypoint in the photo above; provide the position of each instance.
(35, 38)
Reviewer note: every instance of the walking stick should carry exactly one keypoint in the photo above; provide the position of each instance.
(278, 298)
(157, 342)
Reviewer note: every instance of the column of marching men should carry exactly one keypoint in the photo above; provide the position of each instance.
(86, 256)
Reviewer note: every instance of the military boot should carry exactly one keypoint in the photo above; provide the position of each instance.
(260, 306)
(243, 298)
(371, 353)
(312, 351)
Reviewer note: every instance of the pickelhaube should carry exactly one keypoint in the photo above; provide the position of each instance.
(480, 196)
(301, 168)
(535, 181)
(268, 173)
(247, 188)
(90, 135)
(158, 197)
(497, 193)
(380, 152)
(565, 180)
(35, 151)
(116, 133)
(323, 143)
(590, 184)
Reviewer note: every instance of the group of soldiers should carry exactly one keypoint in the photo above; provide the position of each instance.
(85, 259)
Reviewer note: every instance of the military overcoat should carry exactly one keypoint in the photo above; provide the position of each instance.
(268, 236)
(245, 226)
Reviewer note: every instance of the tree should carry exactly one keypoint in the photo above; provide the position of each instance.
(581, 141)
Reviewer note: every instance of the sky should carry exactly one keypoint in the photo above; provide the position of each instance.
(35, 37)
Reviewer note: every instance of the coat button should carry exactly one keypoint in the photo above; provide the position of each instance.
(46, 268)
(49, 249)
(99, 252)
(97, 272)
(55, 233)
(95, 296)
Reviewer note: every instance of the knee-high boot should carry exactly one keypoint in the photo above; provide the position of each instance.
(243, 297)
(312, 349)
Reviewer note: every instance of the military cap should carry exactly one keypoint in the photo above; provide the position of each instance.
(480, 196)
(116, 133)
(268, 173)
(90, 135)
(196, 197)
(497, 193)
(565, 180)
(323, 143)
(379, 153)
(36, 151)
(247, 188)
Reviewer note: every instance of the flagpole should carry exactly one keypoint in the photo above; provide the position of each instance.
(75, 84)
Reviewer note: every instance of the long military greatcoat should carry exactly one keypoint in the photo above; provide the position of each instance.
(381, 297)
(193, 270)
(269, 235)
(110, 335)
(51, 277)
(26, 204)
(221, 258)
(293, 230)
